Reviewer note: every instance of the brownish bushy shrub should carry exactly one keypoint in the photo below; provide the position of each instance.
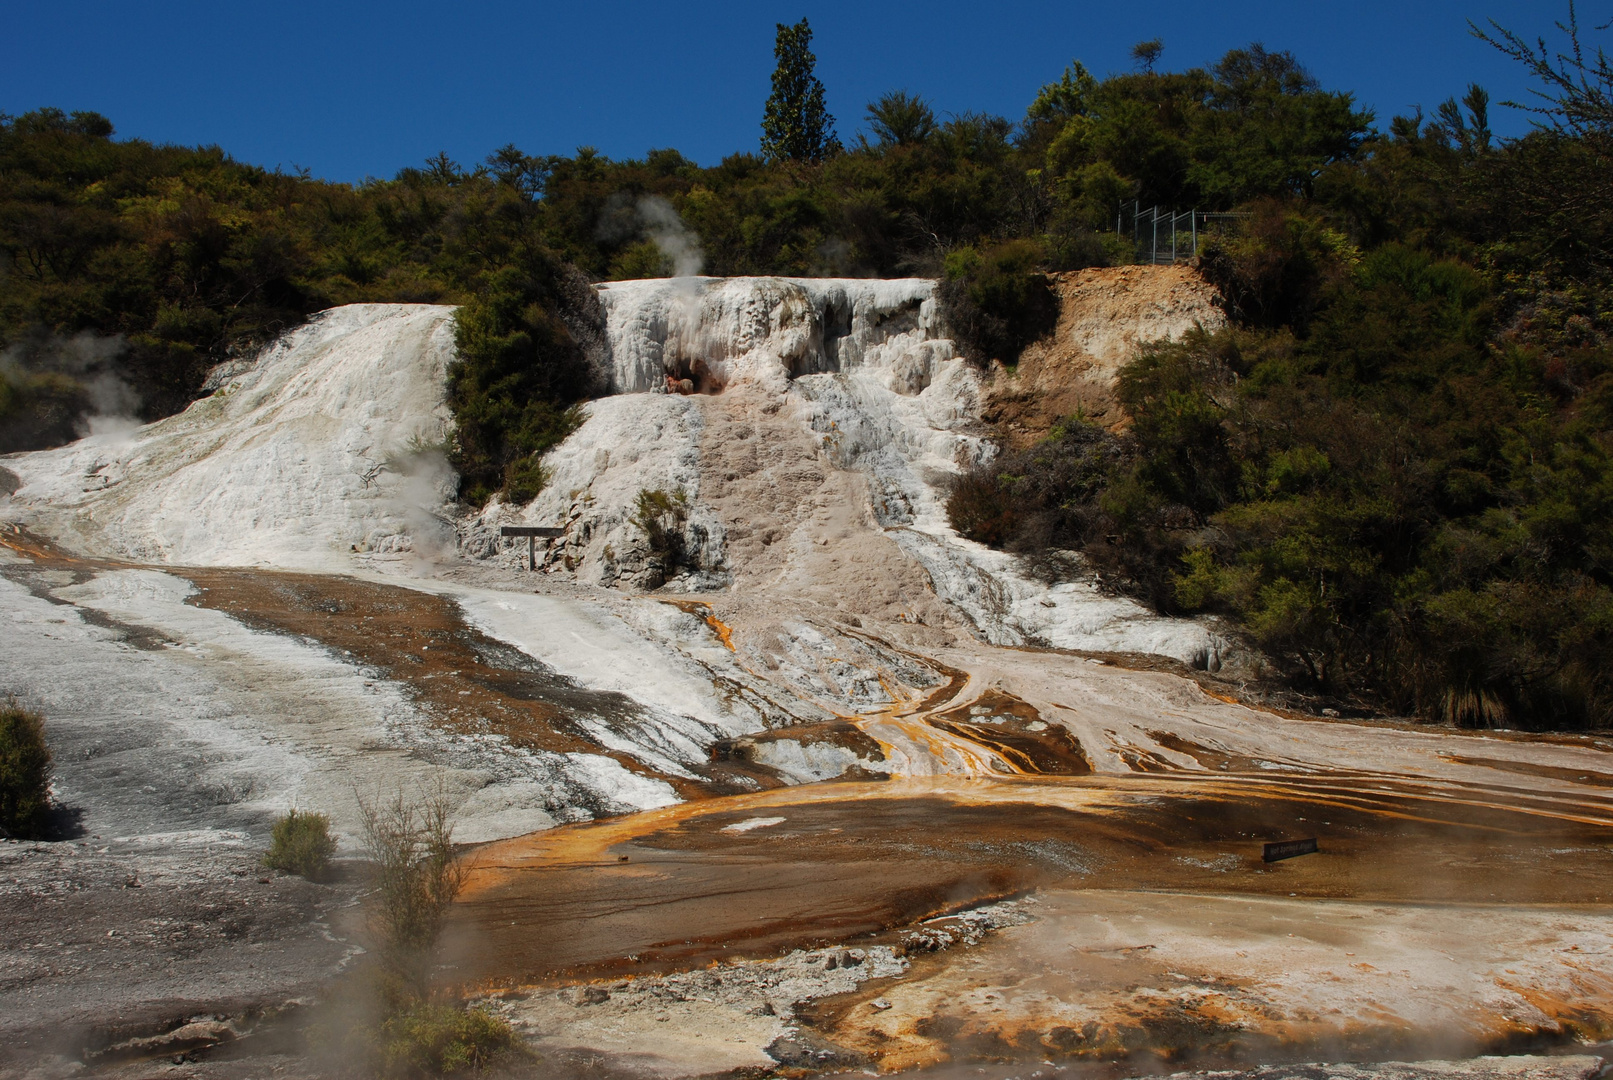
(416, 875)
(24, 772)
(980, 509)
(301, 843)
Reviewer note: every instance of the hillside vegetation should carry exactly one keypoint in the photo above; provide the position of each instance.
(152, 263)
(1391, 471)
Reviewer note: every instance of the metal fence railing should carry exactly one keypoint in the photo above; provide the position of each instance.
(1164, 236)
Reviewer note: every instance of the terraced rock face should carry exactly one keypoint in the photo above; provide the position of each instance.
(297, 459)
(880, 796)
(810, 460)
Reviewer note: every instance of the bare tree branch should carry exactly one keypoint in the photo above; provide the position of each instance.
(1577, 93)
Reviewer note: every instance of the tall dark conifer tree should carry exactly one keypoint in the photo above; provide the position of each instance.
(796, 125)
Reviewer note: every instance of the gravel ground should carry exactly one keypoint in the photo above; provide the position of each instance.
(733, 1016)
(105, 944)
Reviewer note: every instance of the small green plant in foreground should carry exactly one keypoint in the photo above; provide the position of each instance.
(24, 772)
(436, 1039)
(301, 844)
(415, 874)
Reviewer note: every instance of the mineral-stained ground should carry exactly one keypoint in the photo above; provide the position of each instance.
(817, 787)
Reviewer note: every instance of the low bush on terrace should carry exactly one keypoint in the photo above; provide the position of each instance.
(440, 1039)
(24, 772)
(415, 874)
(301, 843)
(1044, 497)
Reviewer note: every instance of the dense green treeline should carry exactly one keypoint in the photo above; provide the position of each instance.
(1394, 470)
(1391, 471)
(152, 263)
(183, 257)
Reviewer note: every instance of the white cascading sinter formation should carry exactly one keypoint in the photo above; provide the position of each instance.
(316, 454)
(865, 365)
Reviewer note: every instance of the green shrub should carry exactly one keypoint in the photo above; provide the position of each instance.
(301, 843)
(434, 1039)
(899, 118)
(996, 301)
(524, 478)
(39, 410)
(643, 260)
(520, 371)
(1272, 267)
(24, 772)
(661, 515)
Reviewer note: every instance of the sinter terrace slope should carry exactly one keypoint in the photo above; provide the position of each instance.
(269, 600)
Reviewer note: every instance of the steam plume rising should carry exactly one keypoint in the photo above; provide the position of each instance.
(651, 217)
(90, 361)
(674, 238)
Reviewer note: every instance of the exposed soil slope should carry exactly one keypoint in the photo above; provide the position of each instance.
(1104, 314)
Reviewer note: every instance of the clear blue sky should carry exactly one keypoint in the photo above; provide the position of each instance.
(349, 90)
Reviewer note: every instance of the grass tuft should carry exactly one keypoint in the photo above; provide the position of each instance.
(439, 1039)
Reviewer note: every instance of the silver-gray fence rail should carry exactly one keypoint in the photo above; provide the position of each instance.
(1164, 236)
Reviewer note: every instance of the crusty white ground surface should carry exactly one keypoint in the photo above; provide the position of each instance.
(292, 461)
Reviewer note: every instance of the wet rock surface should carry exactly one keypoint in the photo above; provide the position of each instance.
(118, 949)
(729, 1015)
(1580, 1067)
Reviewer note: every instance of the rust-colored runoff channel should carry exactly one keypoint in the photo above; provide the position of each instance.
(680, 887)
(466, 681)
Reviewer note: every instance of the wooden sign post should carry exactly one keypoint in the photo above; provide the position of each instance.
(531, 532)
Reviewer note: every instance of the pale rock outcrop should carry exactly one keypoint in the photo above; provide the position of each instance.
(718, 331)
(865, 368)
(318, 448)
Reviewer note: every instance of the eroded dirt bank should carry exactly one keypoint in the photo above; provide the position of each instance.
(1104, 314)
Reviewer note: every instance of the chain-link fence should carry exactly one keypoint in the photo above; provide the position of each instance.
(1163, 236)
